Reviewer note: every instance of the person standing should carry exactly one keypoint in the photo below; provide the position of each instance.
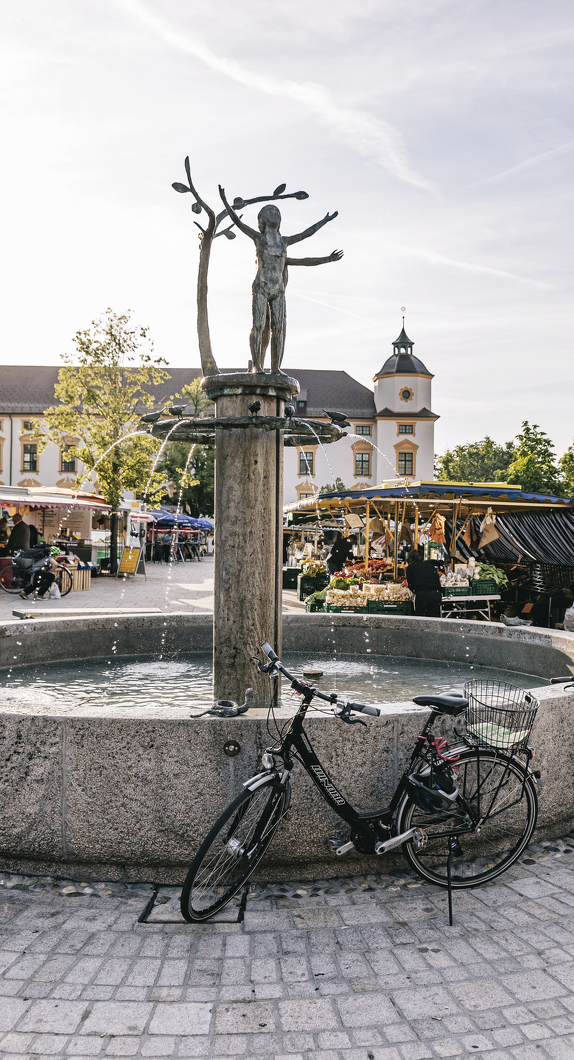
(20, 537)
(341, 553)
(4, 535)
(424, 582)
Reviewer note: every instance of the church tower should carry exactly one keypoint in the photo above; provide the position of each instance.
(405, 423)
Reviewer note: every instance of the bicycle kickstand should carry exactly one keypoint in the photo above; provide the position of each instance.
(453, 848)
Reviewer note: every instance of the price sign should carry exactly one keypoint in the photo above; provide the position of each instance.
(129, 561)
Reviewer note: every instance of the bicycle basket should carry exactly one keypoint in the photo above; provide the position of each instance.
(499, 715)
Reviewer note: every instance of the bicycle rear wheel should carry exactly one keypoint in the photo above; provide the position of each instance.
(231, 850)
(491, 784)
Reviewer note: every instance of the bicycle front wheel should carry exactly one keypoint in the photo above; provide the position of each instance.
(12, 579)
(494, 787)
(231, 850)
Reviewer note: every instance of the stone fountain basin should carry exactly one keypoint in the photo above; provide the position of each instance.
(128, 794)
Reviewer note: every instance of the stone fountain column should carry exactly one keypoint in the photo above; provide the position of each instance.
(248, 532)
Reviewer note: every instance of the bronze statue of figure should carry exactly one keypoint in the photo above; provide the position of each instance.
(271, 279)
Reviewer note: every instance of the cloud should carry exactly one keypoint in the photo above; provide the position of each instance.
(368, 136)
(440, 259)
(528, 162)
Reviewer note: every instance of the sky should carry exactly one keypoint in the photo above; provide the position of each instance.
(441, 131)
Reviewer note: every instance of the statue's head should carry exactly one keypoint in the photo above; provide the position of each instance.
(268, 217)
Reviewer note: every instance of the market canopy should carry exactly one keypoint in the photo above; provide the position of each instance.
(532, 527)
(497, 495)
(50, 497)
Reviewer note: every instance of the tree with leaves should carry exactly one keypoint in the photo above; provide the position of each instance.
(483, 461)
(101, 398)
(333, 487)
(197, 483)
(534, 465)
(567, 469)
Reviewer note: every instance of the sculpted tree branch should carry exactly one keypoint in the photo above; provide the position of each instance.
(211, 231)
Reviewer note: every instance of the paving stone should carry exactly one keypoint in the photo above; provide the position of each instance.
(116, 1017)
(256, 1018)
(428, 1001)
(187, 1018)
(62, 1017)
(307, 1015)
(367, 1010)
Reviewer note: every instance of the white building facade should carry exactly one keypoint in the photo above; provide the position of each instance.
(391, 435)
(392, 429)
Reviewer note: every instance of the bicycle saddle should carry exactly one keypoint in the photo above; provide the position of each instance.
(448, 703)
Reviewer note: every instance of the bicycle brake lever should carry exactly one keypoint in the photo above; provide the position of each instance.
(345, 715)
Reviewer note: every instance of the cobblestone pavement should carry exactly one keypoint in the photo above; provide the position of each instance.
(183, 587)
(363, 968)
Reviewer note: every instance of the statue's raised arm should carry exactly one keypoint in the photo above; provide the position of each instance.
(310, 231)
(236, 218)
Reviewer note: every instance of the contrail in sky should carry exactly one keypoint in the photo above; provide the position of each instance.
(528, 162)
(440, 259)
(374, 139)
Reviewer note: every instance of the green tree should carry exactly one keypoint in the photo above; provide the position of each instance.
(196, 398)
(333, 487)
(534, 466)
(483, 461)
(567, 467)
(101, 399)
(197, 483)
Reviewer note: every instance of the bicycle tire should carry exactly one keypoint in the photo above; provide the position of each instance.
(63, 580)
(12, 579)
(214, 879)
(508, 826)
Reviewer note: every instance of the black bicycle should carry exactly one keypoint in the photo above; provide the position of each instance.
(23, 573)
(462, 815)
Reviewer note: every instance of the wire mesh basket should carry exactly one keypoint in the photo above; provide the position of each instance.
(499, 715)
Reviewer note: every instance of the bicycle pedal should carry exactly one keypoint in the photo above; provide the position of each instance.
(420, 839)
(339, 846)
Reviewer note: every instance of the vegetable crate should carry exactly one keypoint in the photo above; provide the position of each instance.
(485, 587)
(389, 607)
(457, 590)
(290, 575)
(306, 586)
(344, 609)
(314, 605)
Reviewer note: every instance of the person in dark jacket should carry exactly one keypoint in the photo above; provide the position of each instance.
(20, 536)
(341, 554)
(424, 582)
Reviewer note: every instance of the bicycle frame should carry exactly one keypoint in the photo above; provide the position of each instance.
(370, 826)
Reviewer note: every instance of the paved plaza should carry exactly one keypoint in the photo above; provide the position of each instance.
(362, 968)
(175, 587)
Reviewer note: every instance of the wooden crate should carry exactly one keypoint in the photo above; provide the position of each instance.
(81, 580)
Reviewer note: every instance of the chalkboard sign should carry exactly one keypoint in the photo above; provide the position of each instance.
(130, 561)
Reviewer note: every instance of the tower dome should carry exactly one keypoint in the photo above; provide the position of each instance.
(402, 360)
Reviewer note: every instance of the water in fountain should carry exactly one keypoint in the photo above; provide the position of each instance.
(185, 681)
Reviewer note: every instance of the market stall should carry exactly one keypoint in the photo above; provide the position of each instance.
(487, 537)
(175, 535)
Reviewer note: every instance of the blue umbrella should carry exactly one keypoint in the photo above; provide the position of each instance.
(164, 518)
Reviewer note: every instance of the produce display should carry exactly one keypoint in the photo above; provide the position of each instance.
(355, 597)
(375, 567)
(488, 570)
(311, 567)
(351, 597)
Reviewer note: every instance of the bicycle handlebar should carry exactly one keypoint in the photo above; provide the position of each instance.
(307, 690)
